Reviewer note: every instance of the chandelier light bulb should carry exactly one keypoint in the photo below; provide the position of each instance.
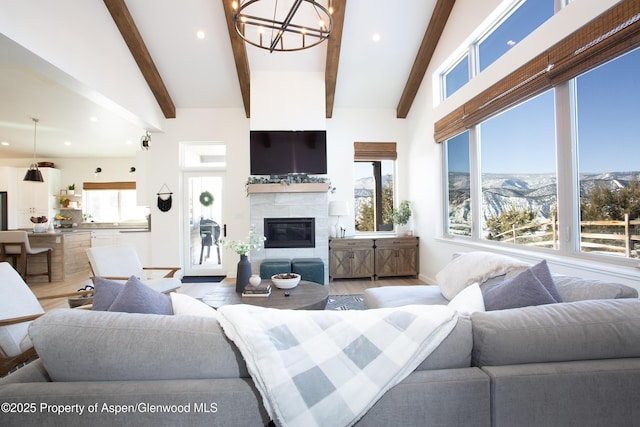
(234, 5)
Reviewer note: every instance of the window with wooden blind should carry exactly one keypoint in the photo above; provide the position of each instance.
(374, 181)
(553, 148)
(112, 202)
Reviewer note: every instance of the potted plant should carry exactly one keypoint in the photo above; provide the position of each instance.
(401, 215)
(71, 189)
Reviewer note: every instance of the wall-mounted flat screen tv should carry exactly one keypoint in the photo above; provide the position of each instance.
(287, 152)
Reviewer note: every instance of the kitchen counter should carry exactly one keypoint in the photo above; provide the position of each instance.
(69, 256)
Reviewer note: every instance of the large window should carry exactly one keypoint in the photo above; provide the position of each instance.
(373, 185)
(518, 165)
(516, 154)
(608, 108)
(458, 185)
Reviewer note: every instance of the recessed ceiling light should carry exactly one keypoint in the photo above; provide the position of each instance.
(375, 37)
(67, 143)
(200, 34)
(93, 119)
(5, 143)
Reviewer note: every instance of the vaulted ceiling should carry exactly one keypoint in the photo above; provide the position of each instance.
(376, 59)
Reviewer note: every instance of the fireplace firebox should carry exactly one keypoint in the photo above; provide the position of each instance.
(290, 233)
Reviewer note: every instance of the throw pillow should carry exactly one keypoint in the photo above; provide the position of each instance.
(185, 305)
(521, 291)
(105, 292)
(468, 301)
(542, 273)
(474, 267)
(136, 297)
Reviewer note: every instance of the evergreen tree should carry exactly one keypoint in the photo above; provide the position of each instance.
(607, 204)
(507, 219)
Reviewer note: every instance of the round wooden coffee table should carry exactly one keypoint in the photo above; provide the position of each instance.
(305, 296)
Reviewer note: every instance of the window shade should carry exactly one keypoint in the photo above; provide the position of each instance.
(371, 151)
(613, 33)
(109, 185)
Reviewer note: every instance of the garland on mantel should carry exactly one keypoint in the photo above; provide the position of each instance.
(290, 179)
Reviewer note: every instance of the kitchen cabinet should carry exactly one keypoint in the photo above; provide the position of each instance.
(396, 256)
(351, 258)
(37, 198)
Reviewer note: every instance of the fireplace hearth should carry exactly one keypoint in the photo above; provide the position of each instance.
(289, 233)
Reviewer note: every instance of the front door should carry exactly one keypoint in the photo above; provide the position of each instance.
(204, 225)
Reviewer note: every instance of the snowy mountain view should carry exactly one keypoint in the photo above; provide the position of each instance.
(522, 192)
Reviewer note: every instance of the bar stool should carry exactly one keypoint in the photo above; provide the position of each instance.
(15, 245)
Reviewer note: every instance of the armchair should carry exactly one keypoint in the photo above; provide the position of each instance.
(18, 307)
(119, 262)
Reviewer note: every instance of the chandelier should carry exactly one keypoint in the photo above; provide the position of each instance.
(285, 25)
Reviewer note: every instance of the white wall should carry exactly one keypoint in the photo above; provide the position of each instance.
(229, 126)
(425, 156)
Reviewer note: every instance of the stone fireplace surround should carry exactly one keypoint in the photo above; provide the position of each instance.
(291, 204)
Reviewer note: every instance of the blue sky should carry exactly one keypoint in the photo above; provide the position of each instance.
(608, 114)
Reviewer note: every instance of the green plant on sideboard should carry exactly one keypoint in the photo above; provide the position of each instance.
(402, 214)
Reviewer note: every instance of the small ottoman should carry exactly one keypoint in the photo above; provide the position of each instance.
(269, 267)
(311, 269)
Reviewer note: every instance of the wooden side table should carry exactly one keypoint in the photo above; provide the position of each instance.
(306, 296)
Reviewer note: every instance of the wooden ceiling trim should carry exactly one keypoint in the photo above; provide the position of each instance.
(430, 40)
(333, 55)
(240, 57)
(127, 27)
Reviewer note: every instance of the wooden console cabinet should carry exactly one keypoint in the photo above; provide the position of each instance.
(380, 257)
(397, 256)
(351, 258)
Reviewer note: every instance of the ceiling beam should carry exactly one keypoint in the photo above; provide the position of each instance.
(240, 56)
(121, 16)
(430, 40)
(333, 55)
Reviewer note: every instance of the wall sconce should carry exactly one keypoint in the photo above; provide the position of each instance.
(97, 171)
(145, 141)
(132, 170)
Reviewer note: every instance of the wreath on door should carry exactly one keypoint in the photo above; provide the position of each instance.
(206, 198)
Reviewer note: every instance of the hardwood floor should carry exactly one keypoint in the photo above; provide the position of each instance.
(336, 287)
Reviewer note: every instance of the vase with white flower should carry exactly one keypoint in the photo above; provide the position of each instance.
(243, 248)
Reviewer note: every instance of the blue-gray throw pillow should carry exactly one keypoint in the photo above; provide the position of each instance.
(542, 273)
(105, 293)
(136, 297)
(522, 290)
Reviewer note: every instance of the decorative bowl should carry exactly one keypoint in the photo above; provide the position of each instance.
(285, 280)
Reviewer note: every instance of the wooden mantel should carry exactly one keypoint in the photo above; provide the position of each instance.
(310, 187)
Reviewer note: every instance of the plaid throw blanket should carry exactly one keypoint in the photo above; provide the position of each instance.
(321, 368)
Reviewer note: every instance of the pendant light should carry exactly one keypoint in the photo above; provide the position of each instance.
(33, 173)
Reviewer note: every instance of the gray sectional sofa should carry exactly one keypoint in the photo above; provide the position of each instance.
(573, 363)
(569, 364)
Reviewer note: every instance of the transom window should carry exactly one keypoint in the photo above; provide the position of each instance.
(520, 20)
